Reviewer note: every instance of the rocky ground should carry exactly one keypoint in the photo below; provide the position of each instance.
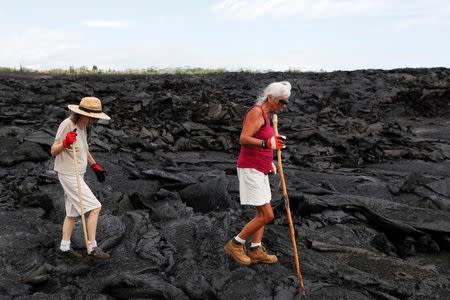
(367, 166)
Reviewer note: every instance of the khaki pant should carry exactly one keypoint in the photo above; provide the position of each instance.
(69, 184)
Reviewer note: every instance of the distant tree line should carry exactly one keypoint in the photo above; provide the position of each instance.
(96, 70)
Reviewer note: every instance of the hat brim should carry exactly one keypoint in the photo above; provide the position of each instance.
(101, 115)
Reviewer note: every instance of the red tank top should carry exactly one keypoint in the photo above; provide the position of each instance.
(254, 157)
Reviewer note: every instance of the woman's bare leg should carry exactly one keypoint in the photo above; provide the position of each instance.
(68, 225)
(255, 228)
(92, 224)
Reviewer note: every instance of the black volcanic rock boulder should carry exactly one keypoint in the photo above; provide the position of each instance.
(144, 286)
(209, 195)
(167, 206)
(422, 102)
(110, 230)
(12, 151)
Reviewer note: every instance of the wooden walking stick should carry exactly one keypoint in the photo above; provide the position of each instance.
(288, 210)
(83, 221)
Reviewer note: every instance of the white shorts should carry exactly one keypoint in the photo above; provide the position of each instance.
(69, 184)
(254, 187)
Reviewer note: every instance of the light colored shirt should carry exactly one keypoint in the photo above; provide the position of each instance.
(64, 161)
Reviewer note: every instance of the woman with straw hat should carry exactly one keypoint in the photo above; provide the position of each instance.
(71, 130)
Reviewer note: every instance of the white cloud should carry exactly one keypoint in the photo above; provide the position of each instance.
(251, 9)
(414, 22)
(418, 14)
(107, 24)
(37, 47)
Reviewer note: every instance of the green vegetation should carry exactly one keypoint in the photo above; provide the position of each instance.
(96, 70)
(195, 71)
(20, 69)
(293, 70)
(83, 70)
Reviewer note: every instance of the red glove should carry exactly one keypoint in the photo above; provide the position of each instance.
(275, 142)
(99, 172)
(71, 137)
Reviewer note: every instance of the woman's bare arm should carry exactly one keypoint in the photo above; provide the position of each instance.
(253, 122)
(56, 148)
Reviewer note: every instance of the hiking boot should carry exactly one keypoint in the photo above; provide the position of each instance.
(237, 251)
(69, 254)
(98, 253)
(260, 255)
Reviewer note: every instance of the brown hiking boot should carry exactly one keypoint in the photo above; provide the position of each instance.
(98, 253)
(69, 254)
(237, 251)
(260, 255)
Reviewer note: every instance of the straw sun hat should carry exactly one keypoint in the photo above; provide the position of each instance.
(91, 107)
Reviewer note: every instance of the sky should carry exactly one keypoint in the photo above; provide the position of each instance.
(306, 35)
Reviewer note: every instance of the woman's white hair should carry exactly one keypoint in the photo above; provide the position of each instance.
(276, 89)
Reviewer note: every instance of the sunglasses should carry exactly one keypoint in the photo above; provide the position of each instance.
(283, 102)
